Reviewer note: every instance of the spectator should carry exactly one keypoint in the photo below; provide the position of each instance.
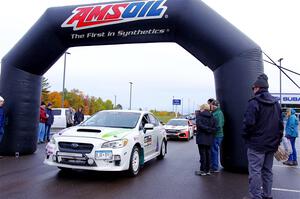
(70, 117)
(291, 133)
(49, 122)
(43, 119)
(218, 137)
(263, 130)
(2, 118)
(209, 101)
(206, 126)
(79, 116)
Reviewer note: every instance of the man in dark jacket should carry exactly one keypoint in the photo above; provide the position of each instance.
(49, 122)
(206, 126)
(263, 130)
(79, 116)
(1, 118)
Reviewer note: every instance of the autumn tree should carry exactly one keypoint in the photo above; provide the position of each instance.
(45, 88)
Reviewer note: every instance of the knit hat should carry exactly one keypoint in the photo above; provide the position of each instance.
(262, 81)
(49, 104)
(1, 99)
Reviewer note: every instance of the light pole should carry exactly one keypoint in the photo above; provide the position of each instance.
(280, 79)
(115, 101)
(130, 95)
(63, 91)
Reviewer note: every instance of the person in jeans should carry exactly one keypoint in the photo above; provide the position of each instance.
(206, 126)
(2, 118)
(43, 119)
(263, 131)
(218, 137)
(49, 122)
(291, 133)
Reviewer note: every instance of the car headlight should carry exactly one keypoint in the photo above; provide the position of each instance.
(52, 140)
(115, 144)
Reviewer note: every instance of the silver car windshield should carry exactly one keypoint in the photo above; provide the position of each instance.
(177, 123)
(113, 119)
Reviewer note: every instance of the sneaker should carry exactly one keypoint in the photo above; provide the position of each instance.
(288, 162)
(214, 171)
(208, 173)
(295, 163)
(200, 173)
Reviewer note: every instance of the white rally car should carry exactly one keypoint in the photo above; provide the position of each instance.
(113, 140)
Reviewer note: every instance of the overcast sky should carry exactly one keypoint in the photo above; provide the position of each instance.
(105, 71)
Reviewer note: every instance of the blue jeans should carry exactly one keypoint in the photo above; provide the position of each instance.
(293, 155)
(215, 153)
(47, 134)
(41, 133)
(260, 173)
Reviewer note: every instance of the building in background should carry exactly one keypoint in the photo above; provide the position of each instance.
(289, 100)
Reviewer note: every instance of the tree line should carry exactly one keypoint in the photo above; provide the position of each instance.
(75, 98)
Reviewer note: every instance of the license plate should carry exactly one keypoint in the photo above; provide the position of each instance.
(103, 155)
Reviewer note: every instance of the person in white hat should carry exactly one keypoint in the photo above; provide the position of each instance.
(1, 118)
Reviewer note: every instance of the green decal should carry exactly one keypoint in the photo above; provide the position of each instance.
(117, 134)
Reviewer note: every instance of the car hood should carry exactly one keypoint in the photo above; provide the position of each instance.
(170, 127)
(103, 133)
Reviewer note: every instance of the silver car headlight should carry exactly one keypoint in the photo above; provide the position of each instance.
(52, 140)
(115, 144)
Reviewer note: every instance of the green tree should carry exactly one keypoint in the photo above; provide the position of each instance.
(45, 88)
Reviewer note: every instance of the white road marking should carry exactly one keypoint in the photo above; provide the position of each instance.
(285, 166)
(286, 190)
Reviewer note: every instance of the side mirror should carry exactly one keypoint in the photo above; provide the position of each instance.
(148, 126)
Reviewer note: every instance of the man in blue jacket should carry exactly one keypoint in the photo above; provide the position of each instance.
(263, 130)
(1, 118)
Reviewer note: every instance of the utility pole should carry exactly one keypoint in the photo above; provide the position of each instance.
(115, 101)
(280, 80)
(64, 77)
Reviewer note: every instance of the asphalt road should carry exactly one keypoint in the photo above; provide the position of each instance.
(27, 177)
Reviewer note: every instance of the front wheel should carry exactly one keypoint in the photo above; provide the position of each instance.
(134, 164)
(162, 151)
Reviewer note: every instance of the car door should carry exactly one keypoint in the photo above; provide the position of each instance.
(156, 133)
(148, 136)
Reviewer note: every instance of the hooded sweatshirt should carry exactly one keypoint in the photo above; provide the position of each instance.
(263, 125)
(291, 128)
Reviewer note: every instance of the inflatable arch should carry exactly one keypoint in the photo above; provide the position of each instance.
(235, 59)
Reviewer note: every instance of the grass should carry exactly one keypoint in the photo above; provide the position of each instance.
(165, 119)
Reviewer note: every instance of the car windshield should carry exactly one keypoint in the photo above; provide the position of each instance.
(113, 119)
(178, 123)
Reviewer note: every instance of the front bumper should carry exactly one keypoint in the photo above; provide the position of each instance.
(181, 135)
(118, 162)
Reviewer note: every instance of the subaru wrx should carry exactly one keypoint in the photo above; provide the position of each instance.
(113, 140)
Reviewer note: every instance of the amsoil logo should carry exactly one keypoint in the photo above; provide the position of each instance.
(114, 13)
